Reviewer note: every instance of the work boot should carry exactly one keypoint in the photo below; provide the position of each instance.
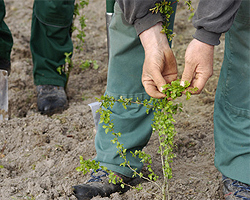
(235, 190)
(99, 185)
(51, 99)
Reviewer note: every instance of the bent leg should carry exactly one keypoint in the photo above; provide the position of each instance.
(124, 79)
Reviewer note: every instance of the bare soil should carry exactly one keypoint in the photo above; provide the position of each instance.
(39, 153)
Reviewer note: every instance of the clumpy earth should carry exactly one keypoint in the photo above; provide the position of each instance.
(39, 153)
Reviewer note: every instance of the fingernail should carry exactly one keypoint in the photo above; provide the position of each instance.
(182, 83)
(161, 89)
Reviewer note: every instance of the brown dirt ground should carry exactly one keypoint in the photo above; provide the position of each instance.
(39, 153)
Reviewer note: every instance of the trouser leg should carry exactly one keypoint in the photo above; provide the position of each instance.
(124, 79)
(50, 39)
(6, 41)
(232, 102)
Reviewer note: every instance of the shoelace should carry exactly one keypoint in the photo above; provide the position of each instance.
(242, 188)
(99, 177)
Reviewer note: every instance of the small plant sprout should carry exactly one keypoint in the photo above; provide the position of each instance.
(79, 6)
(163, 125)
(80, 34)
(89, 63)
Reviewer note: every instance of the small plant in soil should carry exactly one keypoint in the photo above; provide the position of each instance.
(162, 125)
(80, 35)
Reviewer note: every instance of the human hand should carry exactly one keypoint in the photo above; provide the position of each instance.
(159, 66)
(198, 64)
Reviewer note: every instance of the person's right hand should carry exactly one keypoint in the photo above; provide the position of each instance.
(198, 64)
(159, 66)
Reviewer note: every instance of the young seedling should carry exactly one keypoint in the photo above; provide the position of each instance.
(163, 124)
(80, 34)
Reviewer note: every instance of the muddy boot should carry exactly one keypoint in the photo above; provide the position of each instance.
(235, 190)
(99, 185)
(51, 99)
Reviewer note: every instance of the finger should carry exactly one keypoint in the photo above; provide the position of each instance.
(187, 74)
(158, 80)
(170, 77)
(199, 82)
(189, 71)
(153, 76)
(153, 91)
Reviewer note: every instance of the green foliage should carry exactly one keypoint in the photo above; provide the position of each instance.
(79, 5)
(190, 7)
(67, 67)
(80, 34)
(89, 63)
(189, 4)
(191, 16)
(61, 69)
(166, 10)
(86, 165)
(163, 125)
(1, 166)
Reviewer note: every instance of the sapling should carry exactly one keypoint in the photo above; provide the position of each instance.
(80, 34)
(163, 124)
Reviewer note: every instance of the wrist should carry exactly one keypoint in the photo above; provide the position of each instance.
(153, 37)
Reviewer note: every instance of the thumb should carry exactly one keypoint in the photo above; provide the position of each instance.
(159, 80)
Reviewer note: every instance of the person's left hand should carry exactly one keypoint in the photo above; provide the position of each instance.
(159, 66)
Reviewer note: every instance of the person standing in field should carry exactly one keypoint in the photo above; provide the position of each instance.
(232, 101)
(50, 39)
(141, 62)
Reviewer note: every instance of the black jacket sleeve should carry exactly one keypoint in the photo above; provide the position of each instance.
(214, 17)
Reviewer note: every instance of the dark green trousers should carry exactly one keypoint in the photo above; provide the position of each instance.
(232, 102)
(6, 41)
(50, 39)
(124, 79)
